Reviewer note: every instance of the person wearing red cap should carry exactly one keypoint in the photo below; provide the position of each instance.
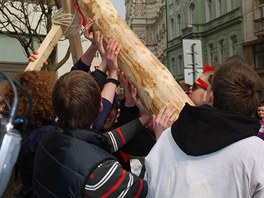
(197, 91)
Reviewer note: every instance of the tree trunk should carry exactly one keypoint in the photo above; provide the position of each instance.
(155, 84)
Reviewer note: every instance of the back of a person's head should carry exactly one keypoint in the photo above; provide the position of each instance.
(76, 100)
(237, 87)
(39, 85)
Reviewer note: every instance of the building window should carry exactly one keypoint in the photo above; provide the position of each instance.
(259, 56)
(211, 53)
(219, 8)
(233, 45)
(172, 66)
(178, 28)
(192, 14)
(160, 35)
(221, 50)
(180, 60)
(233, 4)
(209, 5)
(172, 28)
(261, 8)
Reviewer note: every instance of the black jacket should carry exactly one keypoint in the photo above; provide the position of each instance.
(203, 130)
(69, 157)
(25, 161)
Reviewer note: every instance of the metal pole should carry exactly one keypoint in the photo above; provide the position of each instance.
(194, 62)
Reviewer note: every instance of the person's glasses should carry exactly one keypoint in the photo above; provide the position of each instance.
(210, 78)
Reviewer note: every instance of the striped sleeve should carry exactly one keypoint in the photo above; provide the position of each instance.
(121, 135)
(110, 180)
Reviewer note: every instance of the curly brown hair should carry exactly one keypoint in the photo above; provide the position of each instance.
(39, 85)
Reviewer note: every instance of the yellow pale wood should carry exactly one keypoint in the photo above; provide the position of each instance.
(46, 48)
(156, 86)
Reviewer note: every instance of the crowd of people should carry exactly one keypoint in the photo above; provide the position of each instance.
(81, 141)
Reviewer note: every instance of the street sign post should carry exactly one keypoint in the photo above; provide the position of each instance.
(193, 60)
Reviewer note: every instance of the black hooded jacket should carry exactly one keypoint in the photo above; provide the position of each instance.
(203, 130)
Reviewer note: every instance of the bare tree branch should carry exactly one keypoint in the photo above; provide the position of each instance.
(28, 21)
(61, 63)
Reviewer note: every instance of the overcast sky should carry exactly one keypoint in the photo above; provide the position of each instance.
(120, 7)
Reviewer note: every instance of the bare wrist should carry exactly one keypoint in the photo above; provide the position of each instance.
(102, 67)
(144, 119)
(113, 74)
(101, 51)
(93, 45)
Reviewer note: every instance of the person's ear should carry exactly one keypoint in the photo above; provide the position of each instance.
(211, 98)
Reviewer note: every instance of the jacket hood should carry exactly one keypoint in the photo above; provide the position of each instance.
(203, 130)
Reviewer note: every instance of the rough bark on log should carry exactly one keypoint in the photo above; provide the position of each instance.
(156, 85)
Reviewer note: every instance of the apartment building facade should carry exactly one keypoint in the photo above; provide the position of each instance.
(254, 34)
(217, 23)
(225, 28)
(147, 18)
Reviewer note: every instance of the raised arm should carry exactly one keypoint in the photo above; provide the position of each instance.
(84, 63)
(88, 56)
(128, 109)
(120, 136)
(112, 51)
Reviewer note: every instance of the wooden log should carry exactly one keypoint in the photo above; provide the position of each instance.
(156, 85)
(46, 48)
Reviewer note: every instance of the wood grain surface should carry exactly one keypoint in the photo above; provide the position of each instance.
(156, 85)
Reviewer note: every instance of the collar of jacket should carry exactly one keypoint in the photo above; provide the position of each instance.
(203, 130)
(90, 136)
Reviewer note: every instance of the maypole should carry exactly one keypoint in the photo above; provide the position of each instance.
(156, 85)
